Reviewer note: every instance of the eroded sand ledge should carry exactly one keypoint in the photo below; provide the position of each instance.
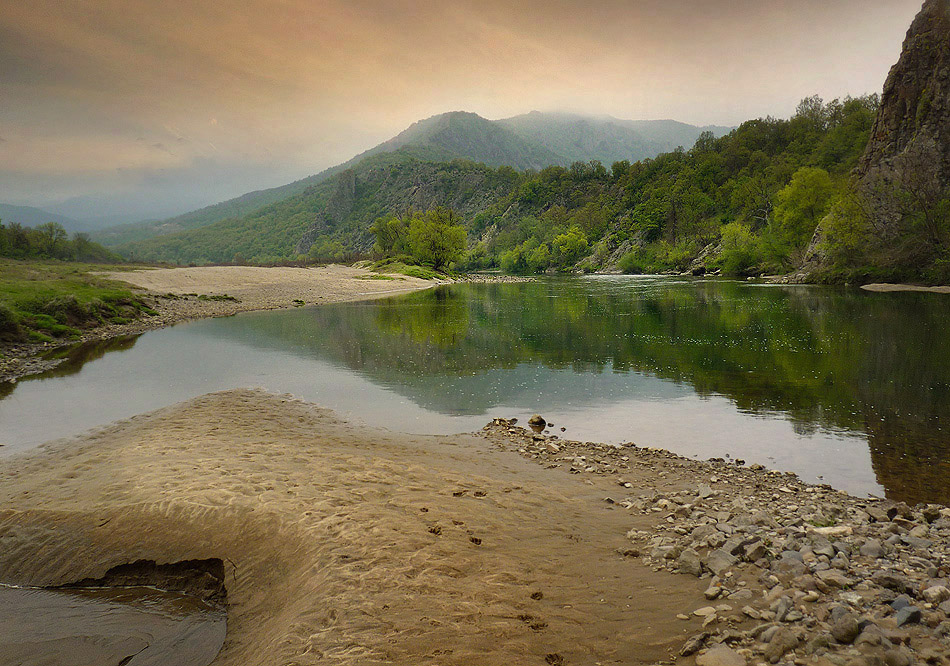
(344, 544)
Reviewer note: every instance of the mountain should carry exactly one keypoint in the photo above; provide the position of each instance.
(900, 228)
(578, 138)
(915, 106)
(532, 141)
(338, 209)
(31, 217)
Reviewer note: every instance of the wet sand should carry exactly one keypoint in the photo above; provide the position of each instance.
(348, 545)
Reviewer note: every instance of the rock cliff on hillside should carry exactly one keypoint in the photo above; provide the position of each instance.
(914, 119)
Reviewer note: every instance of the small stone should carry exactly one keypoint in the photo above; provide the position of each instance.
(782, 642)
(680, 616)
(907, 615)
(936, 594)
(720, 655)
(537, 420)
(705, 611)
(834, 578)
(694, 644)
(892, 582)
(903, 601)
(718, 561)
(845, 629)
(945, 607)
(872, 548)
(751, 612)
(834, 531)
(712, 592)
(898, 656)
(550, 447)
(688, 562)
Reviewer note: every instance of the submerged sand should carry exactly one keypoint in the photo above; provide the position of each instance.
(345, 544)
(884, 287)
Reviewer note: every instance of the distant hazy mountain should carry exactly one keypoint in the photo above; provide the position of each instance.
(532, 141)
(583, 138)
(31, 217)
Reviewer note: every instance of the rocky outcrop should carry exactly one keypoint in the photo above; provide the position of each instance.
(338, 208)
(915, 107)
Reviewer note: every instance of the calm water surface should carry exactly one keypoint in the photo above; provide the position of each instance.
(841, 386)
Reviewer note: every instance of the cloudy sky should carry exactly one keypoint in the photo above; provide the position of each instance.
(146, 108)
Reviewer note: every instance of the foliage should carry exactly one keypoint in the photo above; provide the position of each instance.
(433, 238)
(44, 300)
(50, 241)
(762, 190)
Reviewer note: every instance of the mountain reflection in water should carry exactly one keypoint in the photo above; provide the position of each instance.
(839, 385)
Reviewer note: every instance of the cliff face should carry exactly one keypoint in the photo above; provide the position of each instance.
(914, 120)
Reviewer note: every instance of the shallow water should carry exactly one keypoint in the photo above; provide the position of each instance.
(841, 386)
(107, 626)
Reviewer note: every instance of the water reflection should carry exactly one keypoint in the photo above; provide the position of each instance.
(839, 385)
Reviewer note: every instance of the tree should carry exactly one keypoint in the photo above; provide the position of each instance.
(436, 239)
(802, 204)
(52, 235)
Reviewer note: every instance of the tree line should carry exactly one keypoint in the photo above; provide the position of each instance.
(50, 241)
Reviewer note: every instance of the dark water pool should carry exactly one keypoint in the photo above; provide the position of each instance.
(839, 385)
(107, 627)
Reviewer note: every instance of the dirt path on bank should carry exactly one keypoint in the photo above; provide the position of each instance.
(348, 545)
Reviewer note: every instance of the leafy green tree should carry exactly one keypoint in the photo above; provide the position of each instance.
(569, 247)
(52, 235)
(436, 239)
(801, 206)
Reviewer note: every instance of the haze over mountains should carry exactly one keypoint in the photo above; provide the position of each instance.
(529, 141)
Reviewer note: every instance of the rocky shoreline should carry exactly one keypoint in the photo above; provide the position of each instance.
(794, 573)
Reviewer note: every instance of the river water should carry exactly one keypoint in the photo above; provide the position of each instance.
(838, 385)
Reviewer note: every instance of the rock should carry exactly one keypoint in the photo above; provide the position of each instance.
(712, 592)
(751, 612)
(818, 643)
(907, 615)
(537, 420)
(936, 594)
(718, 561)
(688, 562)
(704, 491)
(783, 641)
(898, 656)
(945, 607)
(834, 578)
(551, 447)
(892, 581)
(694, 644)
(872, 548)
(834, 531)
(705, 611)
(903, 601)
(720, 655)
(845, 629)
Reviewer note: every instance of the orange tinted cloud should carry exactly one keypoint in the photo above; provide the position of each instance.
(298, 85)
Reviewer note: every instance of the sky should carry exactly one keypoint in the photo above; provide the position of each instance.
(139, 109)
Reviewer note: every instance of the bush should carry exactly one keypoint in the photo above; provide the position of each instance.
(10, 329)
(740, 251)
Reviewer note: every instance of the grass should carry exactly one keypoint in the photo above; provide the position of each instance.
(400, 268)
(44, 301)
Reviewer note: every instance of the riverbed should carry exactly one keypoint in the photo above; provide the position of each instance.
(838, 385)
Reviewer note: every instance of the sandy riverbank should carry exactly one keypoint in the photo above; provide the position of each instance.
(186, 294)
(343, 544)
(347, 545)
(884, 287)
